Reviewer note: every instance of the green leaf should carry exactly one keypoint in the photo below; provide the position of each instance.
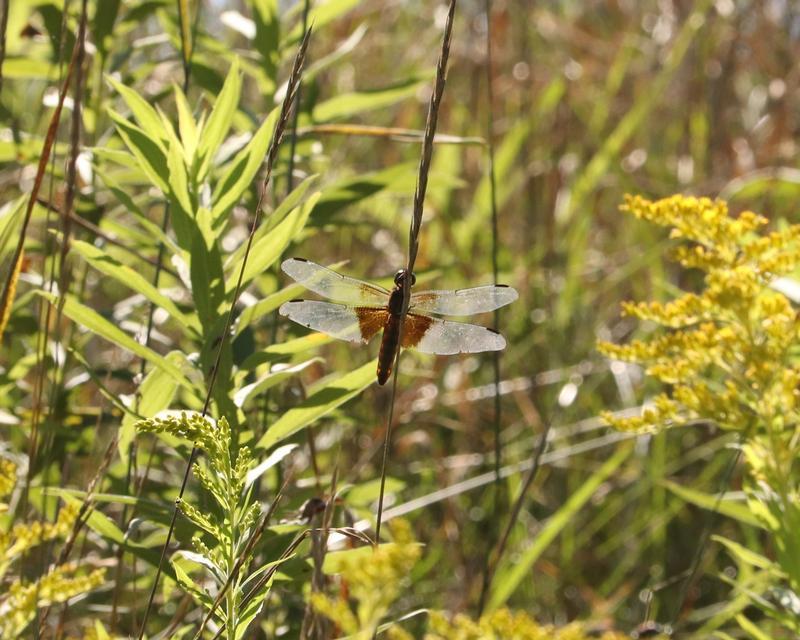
(98, 522)
(253, 607)
(292, 200)
(363, 494)
(152, 229)
(219, 122)
(344, 48)
(251, 391)
(97, 324)
(338, 196)
(149, 153)
(781, 182)
(323, 12)
(266, 305)
(281, 350)
(242, 169)
(147, 117)
(110, 498)
(10, 221)
(265, 465)
(155, 394)
(206, 272)
(103, 25)
(102, 525)
(752, 628)
(26, 68)
(727, 506)
(513, 573)
(135, 281)
(745, 555)
(190, 586)
(179, 180)
(186, 126)
(268, 30)
(319, 404)
(270, 247)
(348, 104)
(273, 219)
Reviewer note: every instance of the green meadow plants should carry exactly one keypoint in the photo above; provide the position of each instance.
(374, 579)
(178, 460)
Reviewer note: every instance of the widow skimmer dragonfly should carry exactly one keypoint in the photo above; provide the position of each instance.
(362, 309)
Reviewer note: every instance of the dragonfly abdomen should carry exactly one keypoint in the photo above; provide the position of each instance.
(389, 344)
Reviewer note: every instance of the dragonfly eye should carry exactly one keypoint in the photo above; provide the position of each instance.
(400, 276)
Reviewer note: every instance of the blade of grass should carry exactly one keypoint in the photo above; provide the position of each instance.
(508, 580)
(318, 404)
(97, 324)
(9, 289)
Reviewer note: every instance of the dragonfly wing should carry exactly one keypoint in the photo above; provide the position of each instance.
(444, 337)
(354, 324)
(330, 284)
(463, 302)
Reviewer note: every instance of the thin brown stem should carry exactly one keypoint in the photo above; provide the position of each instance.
(704, 536)
(4, 7)
(413, 234)
(493, 204)
(513, 517)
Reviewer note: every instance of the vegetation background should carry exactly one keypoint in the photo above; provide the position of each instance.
(588, 101)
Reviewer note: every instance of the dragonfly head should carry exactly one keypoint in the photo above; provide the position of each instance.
(400, 277)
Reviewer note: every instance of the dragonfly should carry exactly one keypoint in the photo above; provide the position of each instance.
(361, 309)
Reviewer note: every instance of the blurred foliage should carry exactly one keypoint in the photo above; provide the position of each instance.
(22, 597)
(592, 100)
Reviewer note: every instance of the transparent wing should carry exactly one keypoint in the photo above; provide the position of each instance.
(337, 320)
(444, 337)
(463, 302)
(335, 286)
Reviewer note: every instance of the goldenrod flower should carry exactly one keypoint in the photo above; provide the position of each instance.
(724, 350)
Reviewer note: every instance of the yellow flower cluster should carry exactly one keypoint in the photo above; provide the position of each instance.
(701, 220)
(726, 350)
(19, 601)
(59, 585)
(22, 537)
(374, 581)
(504, 624)
(8, 478)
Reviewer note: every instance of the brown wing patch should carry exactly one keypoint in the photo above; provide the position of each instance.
(424, 296)
(371, 320)
(414, 328)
